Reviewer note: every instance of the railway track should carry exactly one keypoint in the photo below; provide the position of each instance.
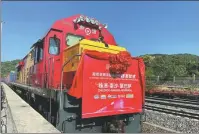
(179, 107)
(178, 100)
(174, 112)
(174, 104)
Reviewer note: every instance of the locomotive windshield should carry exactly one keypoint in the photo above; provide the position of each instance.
(72, 39)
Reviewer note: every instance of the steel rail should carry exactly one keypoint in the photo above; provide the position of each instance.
(193, 102)
(169, 103)
(173, 111)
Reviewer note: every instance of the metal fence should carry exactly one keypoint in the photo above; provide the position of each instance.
(174, 81)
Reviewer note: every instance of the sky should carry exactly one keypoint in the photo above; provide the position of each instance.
(165, 27)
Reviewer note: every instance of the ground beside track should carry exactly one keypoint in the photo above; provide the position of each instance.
(182, 117)
(153, 128)
(176, 123)
(22, 118)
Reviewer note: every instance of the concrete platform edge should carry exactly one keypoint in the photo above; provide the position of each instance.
(9, 112)
(23, 118)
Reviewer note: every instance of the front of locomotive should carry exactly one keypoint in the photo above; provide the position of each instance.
(104, 84)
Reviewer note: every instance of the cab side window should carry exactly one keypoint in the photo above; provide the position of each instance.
(32, 54)
(41, 53)
(38, 54)
(54, 46)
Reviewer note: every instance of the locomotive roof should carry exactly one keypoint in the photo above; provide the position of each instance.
(36, 43)
(61, 25)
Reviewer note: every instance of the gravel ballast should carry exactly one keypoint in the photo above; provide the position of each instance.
(152, 128)
(176, 123)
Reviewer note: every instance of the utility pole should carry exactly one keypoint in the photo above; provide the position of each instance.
(0, 71)
(0, 49)
(0, 75)
(0, 65)
(0, 62)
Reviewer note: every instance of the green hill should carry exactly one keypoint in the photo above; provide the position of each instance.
(8, 66)
(163, 65)
(171, 65)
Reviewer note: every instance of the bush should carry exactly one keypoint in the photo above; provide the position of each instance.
(150, 85)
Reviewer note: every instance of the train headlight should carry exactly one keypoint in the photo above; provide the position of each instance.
(92, 21)
(105, 26)
(87, 20)
(82, 18)
(96, 23)
(78, 20)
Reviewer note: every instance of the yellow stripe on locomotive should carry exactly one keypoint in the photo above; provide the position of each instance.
(86, 45)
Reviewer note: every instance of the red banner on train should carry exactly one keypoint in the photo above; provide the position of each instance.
(103, 95)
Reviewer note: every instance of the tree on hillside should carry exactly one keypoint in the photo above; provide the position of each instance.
(167, 66)
(8, 66)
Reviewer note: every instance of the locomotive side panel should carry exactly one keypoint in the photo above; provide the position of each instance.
(21, 75)
(52, 59)
(37, 74)
(24, 71)
(29, 64)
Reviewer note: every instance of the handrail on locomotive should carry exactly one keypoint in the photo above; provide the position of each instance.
(62, 70)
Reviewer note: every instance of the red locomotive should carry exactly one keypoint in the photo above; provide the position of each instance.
(80, 80)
